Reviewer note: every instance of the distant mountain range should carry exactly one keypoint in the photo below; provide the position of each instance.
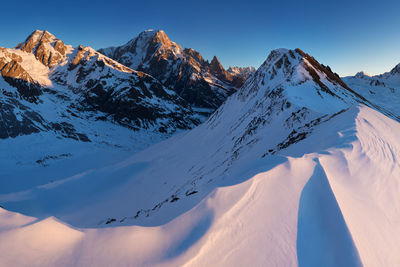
(137, 91)
(383, 89)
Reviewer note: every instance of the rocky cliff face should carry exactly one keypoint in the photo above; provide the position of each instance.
(16, 76)
(46, 47)
(204, 85)
(82, 86)
(131, 98)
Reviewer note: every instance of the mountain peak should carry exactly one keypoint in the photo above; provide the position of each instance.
(203, 84)
(148, 34)
(215, 64)
(396, 69)
(218, 70)
(154, 36)
(41, 33)
(302, 79)
(319, 73)
(35, 37)
(361, 74)
(48, 49)
(141, 48)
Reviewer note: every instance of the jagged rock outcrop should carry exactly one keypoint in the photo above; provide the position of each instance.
(16, 76)
(81, 85)
(46, 47)
(202, 84)
(133, 99)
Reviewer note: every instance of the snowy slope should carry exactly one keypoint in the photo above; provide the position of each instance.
(292, 170)
(384, 89)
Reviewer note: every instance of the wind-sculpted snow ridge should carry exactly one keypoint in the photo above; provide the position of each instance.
(292, 170)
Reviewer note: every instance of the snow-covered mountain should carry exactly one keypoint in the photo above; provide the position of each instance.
(383, 89)
(205, 85)
(60, 103)
(243, 72)
(294, 169)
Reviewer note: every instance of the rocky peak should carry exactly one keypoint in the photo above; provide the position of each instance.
(361, 75)
(162, 38)
(191, 53)
(315, 83)
(202, 84)
(30, 44)
(216, 66)
(396, 69)
(150, 36)
(48, 49)
(218, 70)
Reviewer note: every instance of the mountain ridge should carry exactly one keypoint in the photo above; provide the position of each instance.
(83, 99)
(202, 84)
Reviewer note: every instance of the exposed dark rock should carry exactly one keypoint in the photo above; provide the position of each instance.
(24, 122)
(47, 49)
(189, 193)
(110, 220)
(16, 76)
(131, 98)
(201, 84)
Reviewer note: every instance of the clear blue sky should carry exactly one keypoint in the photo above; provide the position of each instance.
(347, 35)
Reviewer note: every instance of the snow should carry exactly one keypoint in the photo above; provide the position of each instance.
(272, 207)
(152, 46)
(36, 70)
(135, 52)
(235, 191)
(35, 160)
(244, 71)
(382, 90)
(319, 211)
